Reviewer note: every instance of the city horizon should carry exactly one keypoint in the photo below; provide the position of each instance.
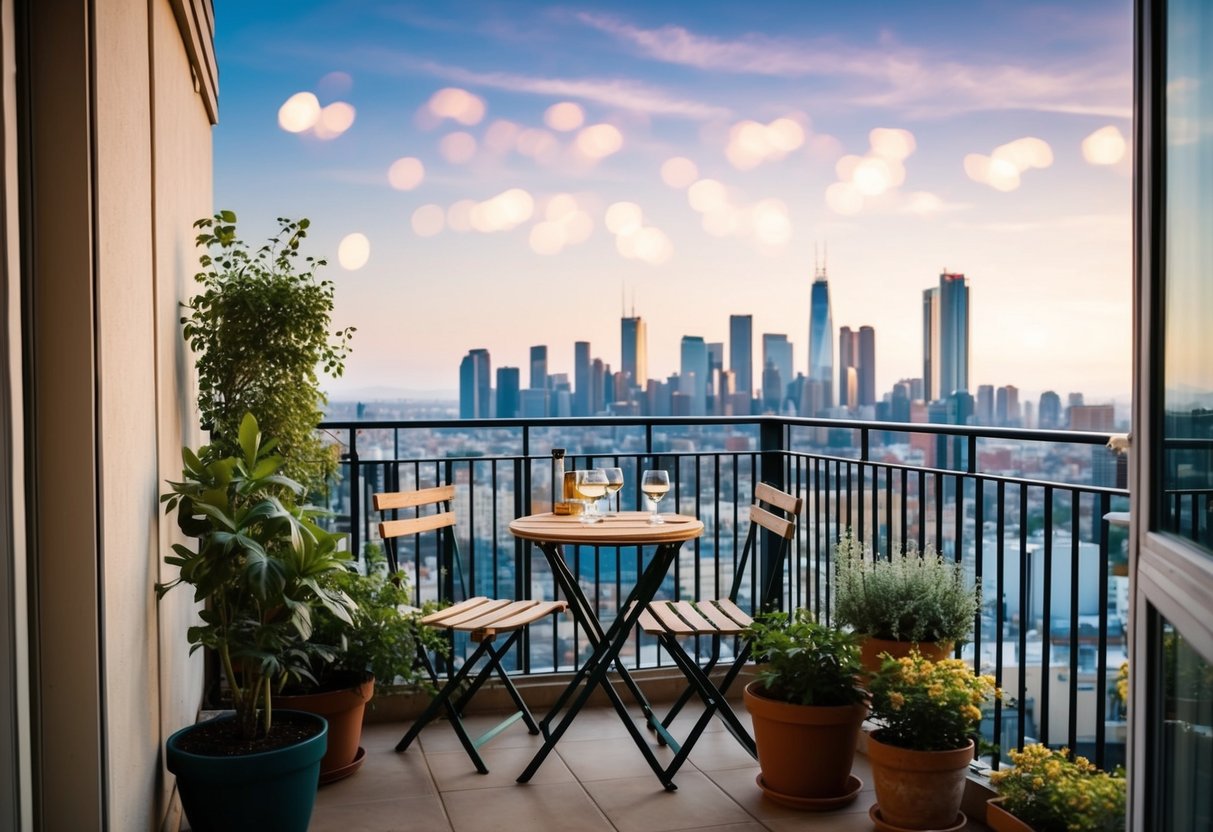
(487, 176)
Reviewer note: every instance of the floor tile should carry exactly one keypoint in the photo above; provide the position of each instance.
(534, 807)
(639, 804)
(717, 750)
(440, 736)
(384, 775)
(610, 758)
(417, 814)
(453, 771)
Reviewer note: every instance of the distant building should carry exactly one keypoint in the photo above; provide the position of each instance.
(1006, 407)
(694, 375)
(741, 352)
(1048, 414)
(945, 336)
(848, 354)
(866, 365)
(598, 373)
(899, 402)
(715, 368)
(821, 337)
(930, 344)
(983, 410)
(533, 403)
(1100, 418)
(772, 387)
(539, 368)
(777, 351)
(475, 385)
(581, 379)
(508, 385)
(634, 351)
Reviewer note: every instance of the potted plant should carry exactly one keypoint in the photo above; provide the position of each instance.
(260, 329)
(899, 602)
(921, 754)
(807, 709)
(381, 643)
(258, 566)
(1046, 791)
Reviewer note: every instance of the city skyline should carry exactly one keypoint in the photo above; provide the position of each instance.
(473, 167)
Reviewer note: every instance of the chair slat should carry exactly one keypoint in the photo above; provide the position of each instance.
(727, 616)
(687, 612)
(649, 624)
(662, 611)
(388, 500)
(780, 499)
(452, 622)
(437, 618)
(415, 525)
(764, 518)
(519, 619)
(491, 613)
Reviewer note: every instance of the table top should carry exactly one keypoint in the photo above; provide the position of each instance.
(625, 528)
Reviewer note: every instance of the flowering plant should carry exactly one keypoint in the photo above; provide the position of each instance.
(1052, 793)
(926, 705)
(906, 598)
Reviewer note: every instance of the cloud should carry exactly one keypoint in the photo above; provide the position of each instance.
(613, 92)
(915, 81)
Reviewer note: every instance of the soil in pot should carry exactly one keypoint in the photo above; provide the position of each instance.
(221, 737)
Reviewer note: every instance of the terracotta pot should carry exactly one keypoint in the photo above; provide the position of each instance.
(872, 647)
(918, 789)
(343, 708)
(804, 750)
(1000, 820)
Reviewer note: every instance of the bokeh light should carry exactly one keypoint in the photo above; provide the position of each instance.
(707, 195)
(844, 198)
(1106, 146)
(500, 137)
(334, 120)
(353, 251)
(406, 173)
(892, 143)
(299, 113)
(458, 147)
(679, 172)
(428, 220)
(564, 116)
(624, 217)
(599, 141)
(458, 105)
(538, 144)
(459, 215)
(772, 226)
(1004, 167)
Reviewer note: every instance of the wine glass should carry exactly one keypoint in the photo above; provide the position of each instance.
(614, 483)
(654, 485)
(591, 486)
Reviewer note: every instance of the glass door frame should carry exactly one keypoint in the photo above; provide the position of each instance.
(1170, 577)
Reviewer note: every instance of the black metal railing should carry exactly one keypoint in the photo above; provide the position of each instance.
(1022, 510)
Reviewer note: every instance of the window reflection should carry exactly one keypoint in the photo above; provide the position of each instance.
(1187, 475)
(1187, 735)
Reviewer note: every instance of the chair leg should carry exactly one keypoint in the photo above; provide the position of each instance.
(682, 700)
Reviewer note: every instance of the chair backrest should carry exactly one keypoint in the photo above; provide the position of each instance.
(780, 520)
(390, 530)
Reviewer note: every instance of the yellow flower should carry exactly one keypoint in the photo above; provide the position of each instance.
(896, 700)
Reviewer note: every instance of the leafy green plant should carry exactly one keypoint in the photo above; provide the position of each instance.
(926, 705)
(260, 330)
(908, 598)
(385, 632)
(260, 567)
(807, 663)
(1052, 793)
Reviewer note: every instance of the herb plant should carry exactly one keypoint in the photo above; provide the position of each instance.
(260, 329)
(807, 663)
(908, 598)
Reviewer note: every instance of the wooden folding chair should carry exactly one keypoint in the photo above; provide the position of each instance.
(482, 618)
(721, 618)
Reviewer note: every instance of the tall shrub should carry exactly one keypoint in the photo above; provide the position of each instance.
(260, 329)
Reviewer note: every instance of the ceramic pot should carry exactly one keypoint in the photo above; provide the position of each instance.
(871, 648)
(343, 709)
(804, 751)
(918, 789)
(271, 791)
(1000, 820)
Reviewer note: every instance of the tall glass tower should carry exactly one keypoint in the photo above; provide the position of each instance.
(821, 337)
(953, 334)
(633, 352)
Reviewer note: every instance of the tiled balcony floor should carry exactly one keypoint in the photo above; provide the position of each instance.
(596, 781)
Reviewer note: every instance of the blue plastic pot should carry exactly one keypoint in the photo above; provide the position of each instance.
(272, 791)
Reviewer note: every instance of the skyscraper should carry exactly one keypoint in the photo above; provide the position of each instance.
(508, 382)
(539, 368)
(953, 333)
(741, 352)
(475, 386)
(715, 366)
(633, 353)
(848, 349)
(984, 415)
(581, 378)
(867, 365)
(930, 344)
(821, 337)
(1006, 406)
(693, 377)
(777, 352)
(1048, 415)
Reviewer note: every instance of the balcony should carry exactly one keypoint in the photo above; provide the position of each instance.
(1025, 511)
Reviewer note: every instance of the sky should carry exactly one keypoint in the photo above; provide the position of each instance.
(503, 174)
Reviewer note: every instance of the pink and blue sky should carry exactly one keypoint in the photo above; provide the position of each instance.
(502, 174)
